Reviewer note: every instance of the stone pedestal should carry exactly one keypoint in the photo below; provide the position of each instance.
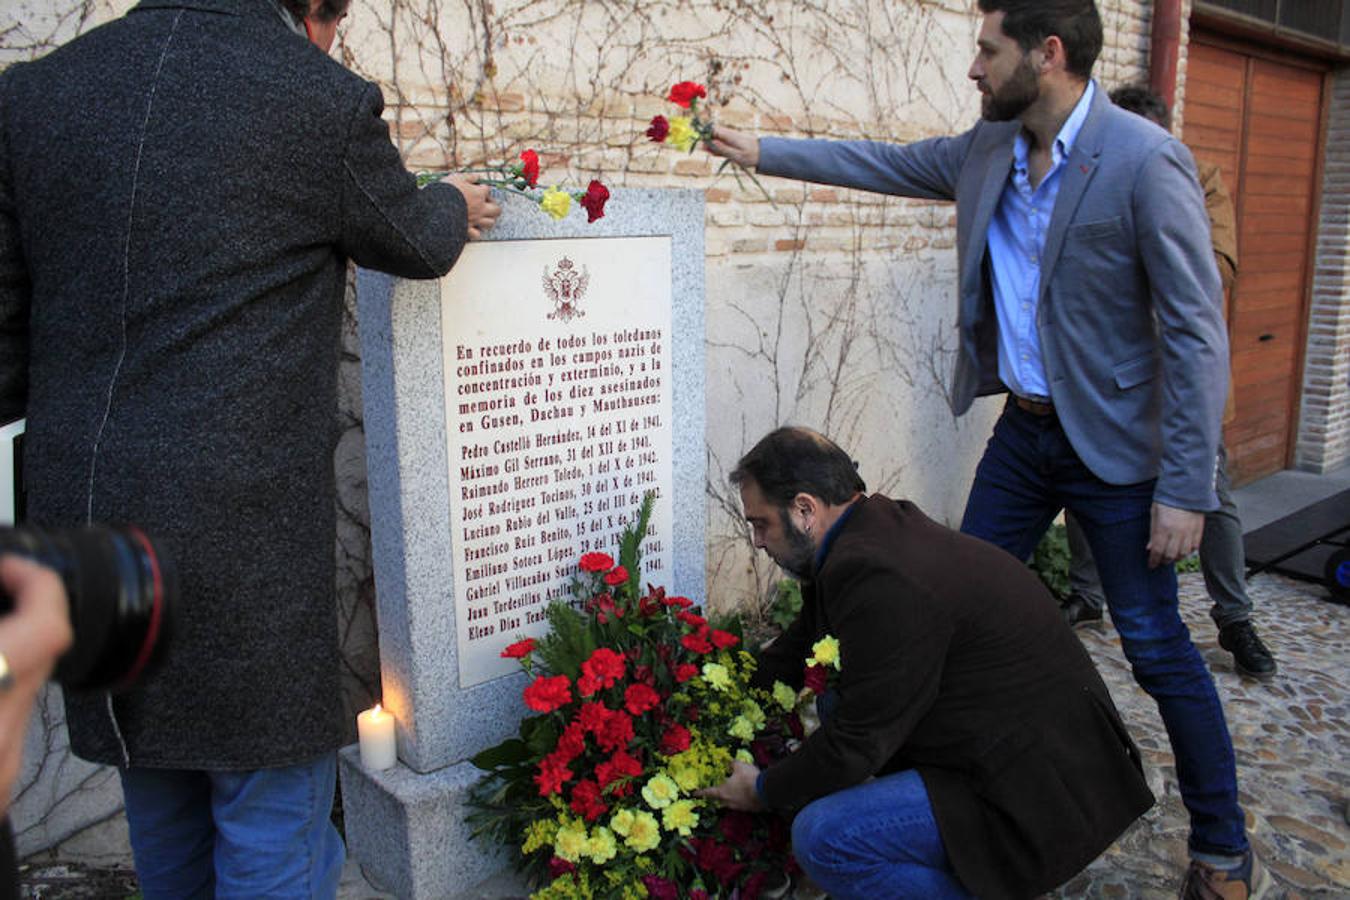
(436, 488)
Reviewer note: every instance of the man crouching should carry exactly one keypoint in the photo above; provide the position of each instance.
(969, 746)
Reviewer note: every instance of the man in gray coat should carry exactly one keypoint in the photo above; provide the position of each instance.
(1089, 294)
(181, 191)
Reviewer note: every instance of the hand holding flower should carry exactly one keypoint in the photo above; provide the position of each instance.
(482, 211)
(684, 133)
(738, 791)
(737, 146)
(520, 177)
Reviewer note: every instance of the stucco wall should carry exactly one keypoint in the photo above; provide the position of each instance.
(827, 307)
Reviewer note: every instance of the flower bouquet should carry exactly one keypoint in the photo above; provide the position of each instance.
(522, 177)
(684, 133)
(640, 702)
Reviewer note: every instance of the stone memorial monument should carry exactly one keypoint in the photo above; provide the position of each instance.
(516, 412)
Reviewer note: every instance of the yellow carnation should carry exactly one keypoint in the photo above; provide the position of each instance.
(751, 710)
(571, 842)
(825, 652)
(741, 729)
(745, 756)
(622, 822)
(602, 847)
(680, 816)
(555, 202)
(645, 833)
(682, 135)
(784, 696)
(660, 791)
(717, 675)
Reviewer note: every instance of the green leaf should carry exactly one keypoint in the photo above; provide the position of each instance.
(540, 734)
(510, 752)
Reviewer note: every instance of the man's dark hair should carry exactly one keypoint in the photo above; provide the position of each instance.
(791, 460)
(1140, 100)
(1075, 22)
(328, 10)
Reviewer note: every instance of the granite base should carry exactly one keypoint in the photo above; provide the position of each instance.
(407, 830)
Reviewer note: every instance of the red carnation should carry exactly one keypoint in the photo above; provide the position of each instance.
(618, 731)
(553, 772)
(596, 562)
(658, 130)
(754, 885)
(681, 602)
(686, 92)
(605, 665)
(685, 671)
(617, 576)
(736, 827)
(660, 889)
(572, 743)
(639, 698)
(697, 641)
(586, 800)
(519, 649)
(547, 694)
(588, 684)
(675, 740)
(593, 716)
(529, 167)
(722, 640)
(693, 620)
(620, 765)
(816, 677)
(594, 200)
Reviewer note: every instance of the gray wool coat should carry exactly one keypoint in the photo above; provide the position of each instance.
(180, 193)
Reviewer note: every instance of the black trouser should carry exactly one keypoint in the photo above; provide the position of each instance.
(9, 863)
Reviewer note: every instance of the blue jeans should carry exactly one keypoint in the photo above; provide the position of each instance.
(1030, 472)
(259, 833)
(1222, 558)
(876, 839)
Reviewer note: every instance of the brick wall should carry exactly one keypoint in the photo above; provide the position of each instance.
(1324, 420)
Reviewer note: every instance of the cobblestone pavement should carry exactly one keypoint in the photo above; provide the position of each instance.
(1291, 736)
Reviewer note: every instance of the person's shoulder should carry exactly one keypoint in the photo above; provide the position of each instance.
(1127, 132)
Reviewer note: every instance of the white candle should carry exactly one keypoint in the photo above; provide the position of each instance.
(375, 727)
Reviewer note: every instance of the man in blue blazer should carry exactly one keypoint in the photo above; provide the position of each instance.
(1088, 292)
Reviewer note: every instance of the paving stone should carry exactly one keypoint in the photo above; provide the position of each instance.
(1288, 735)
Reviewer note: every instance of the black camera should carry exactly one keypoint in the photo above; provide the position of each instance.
(121, 594)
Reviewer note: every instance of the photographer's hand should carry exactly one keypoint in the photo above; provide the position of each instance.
(32, 638)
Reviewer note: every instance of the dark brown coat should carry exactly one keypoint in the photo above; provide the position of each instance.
(956, 662)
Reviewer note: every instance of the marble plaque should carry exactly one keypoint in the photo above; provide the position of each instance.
(557, 366)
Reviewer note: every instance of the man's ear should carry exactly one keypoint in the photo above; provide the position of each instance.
(808, 509)
(1052, 54)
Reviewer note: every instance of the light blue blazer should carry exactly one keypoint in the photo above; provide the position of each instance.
(1130, 310)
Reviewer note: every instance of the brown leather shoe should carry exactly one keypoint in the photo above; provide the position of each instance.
(1246, 881)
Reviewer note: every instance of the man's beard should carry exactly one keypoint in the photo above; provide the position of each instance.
(800, 553)
(1011, 100)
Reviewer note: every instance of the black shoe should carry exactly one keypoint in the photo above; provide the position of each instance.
(1250, 656)
(1078, 613)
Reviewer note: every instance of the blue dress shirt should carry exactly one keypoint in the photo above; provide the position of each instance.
(1016, 247)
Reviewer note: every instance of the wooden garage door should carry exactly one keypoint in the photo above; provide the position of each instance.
(1259, 118)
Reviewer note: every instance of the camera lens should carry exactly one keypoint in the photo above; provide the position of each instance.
(119, 590)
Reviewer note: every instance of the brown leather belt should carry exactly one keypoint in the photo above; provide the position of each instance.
(1035, 407)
